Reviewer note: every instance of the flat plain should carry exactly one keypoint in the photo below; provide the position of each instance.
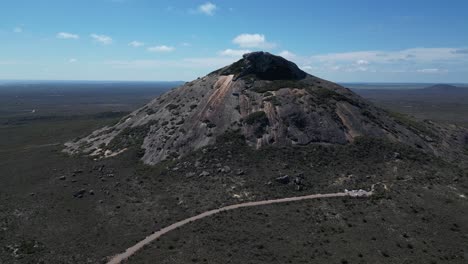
(61, 209)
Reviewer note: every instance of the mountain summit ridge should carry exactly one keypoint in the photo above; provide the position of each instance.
(265, 66)
(266, 99)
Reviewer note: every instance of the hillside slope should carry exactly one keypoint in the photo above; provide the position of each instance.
(268, 100)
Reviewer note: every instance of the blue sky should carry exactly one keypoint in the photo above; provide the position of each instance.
(346, 41)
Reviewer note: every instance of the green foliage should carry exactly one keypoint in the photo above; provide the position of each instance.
(259, 120)
(299, 120)
(28, 247)
(130, 136)
(365, 112)
(171, 106)
(466, 142)
(233, 138)
(256, 117)
(273, 99)
(150, 111)
(236, 68)
(412, 124)
(266, 86)
(322, 95)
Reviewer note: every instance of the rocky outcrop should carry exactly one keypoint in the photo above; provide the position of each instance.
(267, 99)
(264, 66)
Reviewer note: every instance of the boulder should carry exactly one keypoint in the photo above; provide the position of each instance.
(80, 193)
(285, 179)
(204, 173)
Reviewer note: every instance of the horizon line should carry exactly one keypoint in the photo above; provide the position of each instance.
(169, 81)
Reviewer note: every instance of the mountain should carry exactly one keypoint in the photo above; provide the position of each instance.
(268, 101)
(446, 88)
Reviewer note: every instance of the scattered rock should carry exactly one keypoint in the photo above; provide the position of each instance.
(189, 174)
(62, 178)
(298, 181)
(226, 169)
(80, 193)
(283, 179)
(91, 192)
(204, 173)
(428, 138)
(240, 172)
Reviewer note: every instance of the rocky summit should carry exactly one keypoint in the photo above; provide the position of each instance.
(268, 100)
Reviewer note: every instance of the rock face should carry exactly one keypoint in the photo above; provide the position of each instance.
(265, 67)
(267, 99)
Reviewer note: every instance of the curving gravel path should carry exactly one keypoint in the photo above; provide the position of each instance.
(133, 249)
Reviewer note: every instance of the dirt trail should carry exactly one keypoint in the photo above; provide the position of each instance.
(133, 249)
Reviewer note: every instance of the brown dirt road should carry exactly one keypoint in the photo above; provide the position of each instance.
(133, 249)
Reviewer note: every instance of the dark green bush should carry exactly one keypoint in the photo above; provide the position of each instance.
(171, 106)
(258, 117)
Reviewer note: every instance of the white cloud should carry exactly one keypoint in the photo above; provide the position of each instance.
(407, 55)
(233, 52)
(287, 54)
(66, 35)
(136, 44)
(18, 30)
(252, 41)
(352, 69)
(103, 39)
(433, 70)
(207, 8)
(413, 60)
(162, 48)
(72, 60)
(185, 44)
(362, 62)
